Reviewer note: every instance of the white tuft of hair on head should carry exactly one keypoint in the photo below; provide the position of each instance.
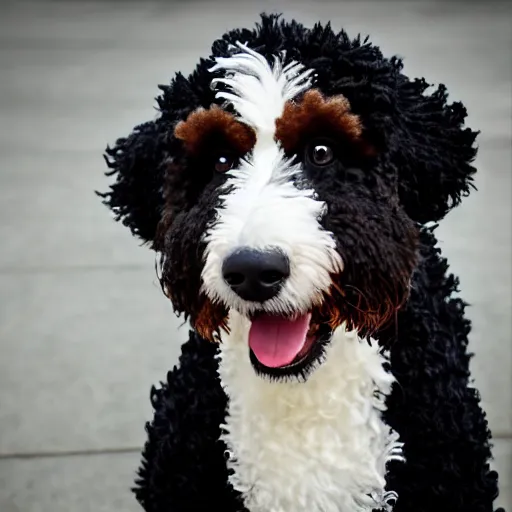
(259, 91)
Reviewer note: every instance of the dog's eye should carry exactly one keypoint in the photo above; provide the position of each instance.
(320, 154)
(224, 163)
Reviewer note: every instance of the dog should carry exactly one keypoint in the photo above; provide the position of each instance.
(291, 187)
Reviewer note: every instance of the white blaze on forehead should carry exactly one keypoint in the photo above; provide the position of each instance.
(258, 91)
(261, 206)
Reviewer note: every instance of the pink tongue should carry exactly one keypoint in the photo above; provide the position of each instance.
(276, 341)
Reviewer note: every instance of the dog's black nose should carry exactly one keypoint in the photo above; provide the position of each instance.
(256, 275)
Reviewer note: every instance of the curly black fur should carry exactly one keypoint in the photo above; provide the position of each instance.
(426, 154)
(184, 464)
(433, 405)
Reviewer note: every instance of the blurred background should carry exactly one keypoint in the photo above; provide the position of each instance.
(84, 328)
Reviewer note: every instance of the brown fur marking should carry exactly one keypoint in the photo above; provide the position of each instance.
(210, 319)
(204, 122)
(350, 305)
(316, 114)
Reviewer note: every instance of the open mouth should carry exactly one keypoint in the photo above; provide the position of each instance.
(282, 346)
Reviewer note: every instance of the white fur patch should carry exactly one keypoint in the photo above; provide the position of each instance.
(264, 209)
(314, 446)
(259, 91)
(262, 206)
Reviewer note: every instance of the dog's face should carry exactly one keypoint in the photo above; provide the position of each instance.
(289, 189)
(291, 222)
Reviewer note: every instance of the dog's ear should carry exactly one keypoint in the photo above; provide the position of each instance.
(136, 163)
(432, 152)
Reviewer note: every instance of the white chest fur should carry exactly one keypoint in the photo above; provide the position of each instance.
(315, 446)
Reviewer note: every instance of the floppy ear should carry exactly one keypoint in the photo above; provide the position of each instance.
(432, 151)
(136, 162)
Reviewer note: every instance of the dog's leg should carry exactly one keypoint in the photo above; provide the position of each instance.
(433, 406)
(184, 468)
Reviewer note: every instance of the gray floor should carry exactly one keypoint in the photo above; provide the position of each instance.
(84, 328)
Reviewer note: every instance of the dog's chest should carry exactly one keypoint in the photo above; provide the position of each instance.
(318, 446)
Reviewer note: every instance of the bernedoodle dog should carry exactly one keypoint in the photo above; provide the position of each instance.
(291, 187)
